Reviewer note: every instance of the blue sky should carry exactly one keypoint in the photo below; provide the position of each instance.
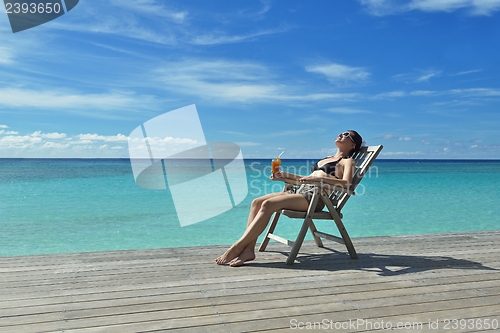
(421, 77)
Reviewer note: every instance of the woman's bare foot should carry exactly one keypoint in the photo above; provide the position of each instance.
(228, 256)
(246, 255)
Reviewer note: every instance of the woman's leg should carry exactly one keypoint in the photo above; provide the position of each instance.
(259, 223)
(248, 252)
(257, 204)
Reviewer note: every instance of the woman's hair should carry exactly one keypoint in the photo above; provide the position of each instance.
(358, 140)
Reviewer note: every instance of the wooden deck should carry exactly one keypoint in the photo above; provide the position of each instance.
(407, 280)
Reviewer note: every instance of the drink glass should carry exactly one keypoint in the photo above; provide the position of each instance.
(275, 164)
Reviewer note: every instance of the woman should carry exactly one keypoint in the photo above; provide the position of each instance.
(335, 170)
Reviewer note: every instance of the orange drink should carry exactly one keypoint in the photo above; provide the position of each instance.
(275, 164)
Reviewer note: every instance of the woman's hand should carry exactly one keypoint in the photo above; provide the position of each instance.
(277, 175)
(309, 178)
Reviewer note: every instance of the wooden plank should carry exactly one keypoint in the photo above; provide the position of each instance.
(407, 277)
(226, 304)
(389, 267)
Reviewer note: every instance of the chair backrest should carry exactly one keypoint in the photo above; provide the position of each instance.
(364, 159)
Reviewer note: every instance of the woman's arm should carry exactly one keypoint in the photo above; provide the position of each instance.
(284, 175)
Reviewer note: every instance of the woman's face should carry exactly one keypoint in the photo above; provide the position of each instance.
(345, 139)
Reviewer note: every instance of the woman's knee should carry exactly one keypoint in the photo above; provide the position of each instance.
(257, 202)
(268, 205)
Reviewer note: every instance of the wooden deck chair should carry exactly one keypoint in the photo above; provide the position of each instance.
(333, 202)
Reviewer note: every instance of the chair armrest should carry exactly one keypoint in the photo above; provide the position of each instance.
(316, 183)
(329, 187)
(288, 181)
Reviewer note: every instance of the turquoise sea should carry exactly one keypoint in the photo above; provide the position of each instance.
(79, 205)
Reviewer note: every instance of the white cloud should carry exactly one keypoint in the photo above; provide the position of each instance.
(220, 38)
(167, 140)
(4, 132)
(388, 7)
(145, 20)
(477, 92)
(400, 153)
(71, 101)
(151, 7)
(318, 97)
(87, 138)
(477, 7)
(393, 137)
(290, 133)
(215, 70)
(265, 8)
(348, 111)
(427, 76)
(458, 93)
(391, 94)
(54, 145)
(167, 146)
(381, 7)
(337, 73)
(248, 144)
(49, 135)
(13, 140)
(6, 56)
(111, 148)
(422, 93)
(417, 77)
(118, 24)
(467, 72)
(232, 81)
(122, 27)
(155, 22)
(39, 144)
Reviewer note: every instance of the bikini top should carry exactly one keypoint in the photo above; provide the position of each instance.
(328, 168)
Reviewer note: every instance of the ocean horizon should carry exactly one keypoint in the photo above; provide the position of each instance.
(65, 205)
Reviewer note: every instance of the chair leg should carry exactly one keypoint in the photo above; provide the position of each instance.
(298, 242)
(313, 229)
(343, 232)
(345, 237)
(270, 230)
(312, 226)
(303, 230)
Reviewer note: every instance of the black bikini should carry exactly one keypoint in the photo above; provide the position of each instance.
(328, 168)
(307, 189)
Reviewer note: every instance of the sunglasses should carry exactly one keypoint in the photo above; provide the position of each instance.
(348, 135)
